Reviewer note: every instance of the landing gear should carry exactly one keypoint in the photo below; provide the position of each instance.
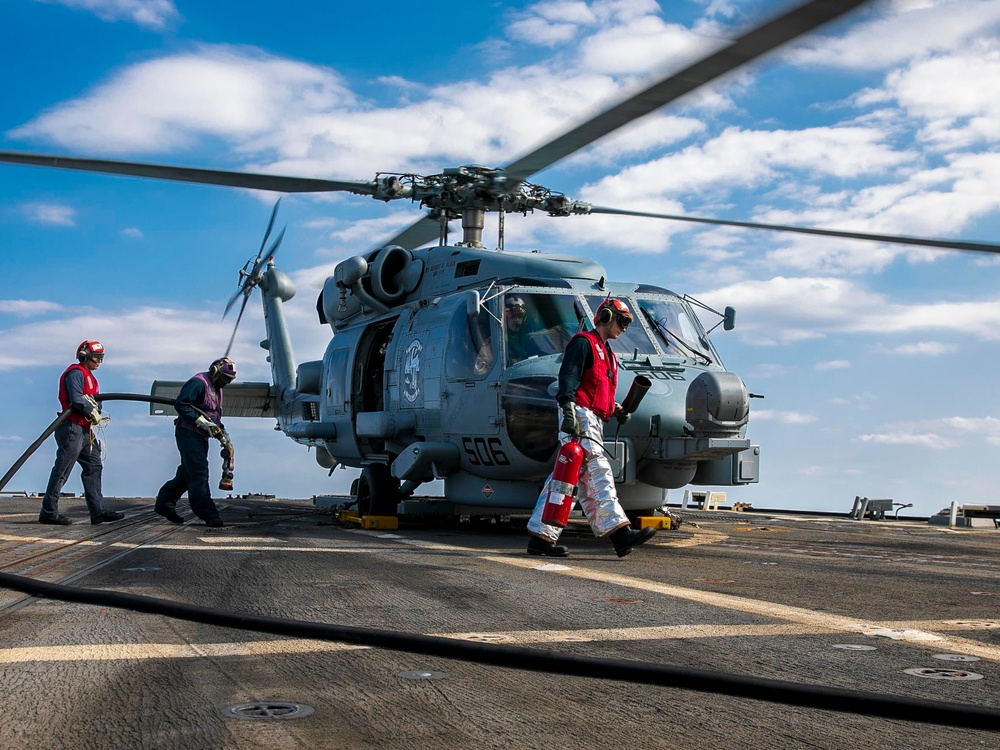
(377, 491)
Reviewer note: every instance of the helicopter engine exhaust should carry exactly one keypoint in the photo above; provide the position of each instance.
(562, 489)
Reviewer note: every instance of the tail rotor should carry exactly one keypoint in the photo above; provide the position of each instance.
(252, 273)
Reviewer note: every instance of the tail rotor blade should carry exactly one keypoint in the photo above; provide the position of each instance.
(236, 327)
(270, 225)
(232, 301)
(275, 245)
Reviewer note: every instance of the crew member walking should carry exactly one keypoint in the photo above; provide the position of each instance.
(76, 441)
(588, 378)
(199, 417)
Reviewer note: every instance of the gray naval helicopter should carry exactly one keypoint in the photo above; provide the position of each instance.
(443, 360)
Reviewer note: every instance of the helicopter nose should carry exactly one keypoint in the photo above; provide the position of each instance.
(717, 404)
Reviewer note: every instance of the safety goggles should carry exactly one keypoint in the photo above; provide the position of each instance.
(623, 320)
(516, 311)
(98, 358)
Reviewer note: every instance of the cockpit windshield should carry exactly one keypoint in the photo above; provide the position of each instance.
(676, 328)
(537, 324)
(633, 340)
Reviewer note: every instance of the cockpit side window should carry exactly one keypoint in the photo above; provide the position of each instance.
(470, 352)
(538, 324)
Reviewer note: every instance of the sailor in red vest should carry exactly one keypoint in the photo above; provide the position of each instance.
(76, 440)
(588, 378)
(199, 417)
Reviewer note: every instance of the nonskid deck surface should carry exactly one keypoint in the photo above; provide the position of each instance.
(894, 607)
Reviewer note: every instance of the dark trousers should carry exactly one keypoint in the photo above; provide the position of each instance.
(75, 447)
(191, 477)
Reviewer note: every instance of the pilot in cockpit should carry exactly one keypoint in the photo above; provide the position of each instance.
(519, 342)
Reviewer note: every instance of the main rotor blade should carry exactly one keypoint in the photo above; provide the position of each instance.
(419, 233)
(751, 45)
(275, 183)
(983, 247)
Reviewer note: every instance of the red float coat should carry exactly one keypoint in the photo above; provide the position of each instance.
(90, 388)
(600, 380)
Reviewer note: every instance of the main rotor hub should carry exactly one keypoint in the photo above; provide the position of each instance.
(459, 189)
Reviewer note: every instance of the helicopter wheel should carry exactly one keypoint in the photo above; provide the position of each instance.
(377, 491)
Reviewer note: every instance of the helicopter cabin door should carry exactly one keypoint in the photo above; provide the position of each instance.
(472, 366)
(368, 380)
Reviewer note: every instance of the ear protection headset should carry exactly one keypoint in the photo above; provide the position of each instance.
(612, 309)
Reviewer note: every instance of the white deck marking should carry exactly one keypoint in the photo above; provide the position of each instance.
(113, 651)
(805, 617)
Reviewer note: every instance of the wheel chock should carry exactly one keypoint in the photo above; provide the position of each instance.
(380, 522)
(369, 522)
(655, 522)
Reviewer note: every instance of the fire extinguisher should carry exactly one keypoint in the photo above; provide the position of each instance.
(562, 489)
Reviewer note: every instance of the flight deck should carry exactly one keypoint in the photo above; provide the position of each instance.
(900, 608)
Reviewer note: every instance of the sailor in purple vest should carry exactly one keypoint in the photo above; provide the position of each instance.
(199, 417)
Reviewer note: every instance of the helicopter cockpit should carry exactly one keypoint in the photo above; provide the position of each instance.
(537, 325)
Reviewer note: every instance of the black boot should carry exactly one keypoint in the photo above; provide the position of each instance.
(626, 538)
(539, 546)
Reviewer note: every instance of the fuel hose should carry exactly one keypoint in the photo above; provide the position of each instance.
(62, 417)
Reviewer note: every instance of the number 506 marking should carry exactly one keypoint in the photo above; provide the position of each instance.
(485, 452)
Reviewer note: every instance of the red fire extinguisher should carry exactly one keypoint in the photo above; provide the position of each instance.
(562, 489)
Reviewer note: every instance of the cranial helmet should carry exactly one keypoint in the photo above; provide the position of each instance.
(90, 349)
(222, 371)
(515, 305)
(613, 309)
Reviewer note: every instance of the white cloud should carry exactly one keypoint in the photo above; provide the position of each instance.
(923, 349)
(921, 440)
(782, 417)
(25, 308)
(142, 340)
(833, 364)
(165, 104)
(900, 32)
(786, 310)
(860, 400)
(53, 214)
(132, 233)
(154, 14)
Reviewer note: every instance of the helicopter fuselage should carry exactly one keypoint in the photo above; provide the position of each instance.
(427, 376)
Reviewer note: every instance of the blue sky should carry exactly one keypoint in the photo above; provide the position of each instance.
(878, 363)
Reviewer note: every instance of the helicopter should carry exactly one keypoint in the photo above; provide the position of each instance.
(419, 381)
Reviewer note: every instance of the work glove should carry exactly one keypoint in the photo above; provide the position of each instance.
(622, 416)
(94, 410)
(570, 424)
(208, 426)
